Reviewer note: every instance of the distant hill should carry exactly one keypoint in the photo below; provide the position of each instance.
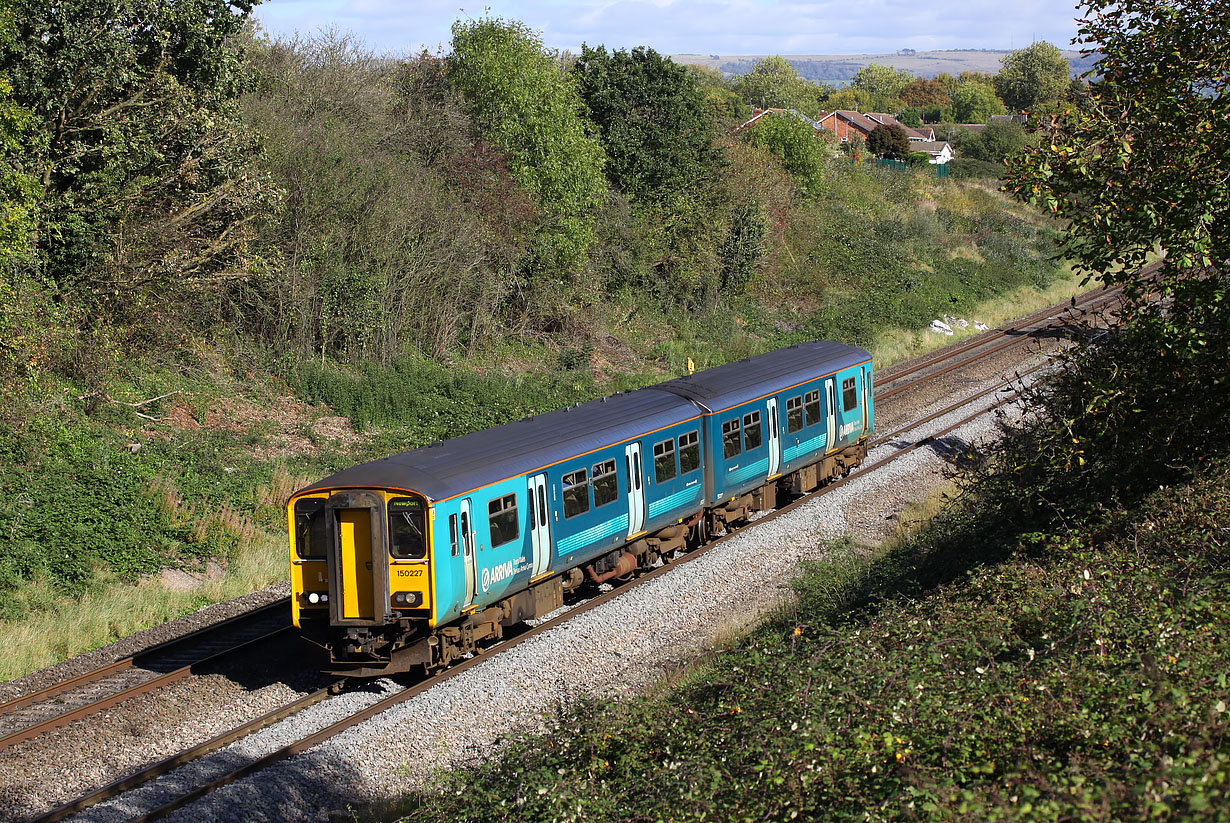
(839, 69)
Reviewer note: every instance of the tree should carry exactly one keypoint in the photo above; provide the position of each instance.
(775, 84)
(922, 93)
(524, 103)
(144, 170)
(881, 83)
(975, 102)
(1031, 76)
(889, 141)
(802, 151)
(651, 117)
(1145, 167)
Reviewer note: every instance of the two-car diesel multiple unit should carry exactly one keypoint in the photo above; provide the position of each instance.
(414, 559)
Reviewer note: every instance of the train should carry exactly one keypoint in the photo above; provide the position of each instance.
(418, 559)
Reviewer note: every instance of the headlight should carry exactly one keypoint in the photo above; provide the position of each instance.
(407, 598)
(316, 598)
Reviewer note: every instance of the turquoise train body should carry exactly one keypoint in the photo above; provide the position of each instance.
(418, 558)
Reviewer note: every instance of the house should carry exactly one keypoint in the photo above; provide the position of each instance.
(940, 152)
(845, 123)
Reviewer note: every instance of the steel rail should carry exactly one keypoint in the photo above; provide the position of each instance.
(144, 687)
(145, 775)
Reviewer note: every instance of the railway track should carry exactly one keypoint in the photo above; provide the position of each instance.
(62, 703)
(963, 354)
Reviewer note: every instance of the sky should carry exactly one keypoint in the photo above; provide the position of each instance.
(725, 27)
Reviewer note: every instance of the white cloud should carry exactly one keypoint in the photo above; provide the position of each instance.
(728, 27)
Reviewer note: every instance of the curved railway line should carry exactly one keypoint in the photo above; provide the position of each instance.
(176, 660)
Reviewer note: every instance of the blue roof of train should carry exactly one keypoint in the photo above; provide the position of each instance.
(471, 461)
(736, 383)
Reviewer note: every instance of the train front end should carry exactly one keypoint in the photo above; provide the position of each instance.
(361, 577)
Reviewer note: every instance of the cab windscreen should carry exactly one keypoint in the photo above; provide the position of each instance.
(407, 535)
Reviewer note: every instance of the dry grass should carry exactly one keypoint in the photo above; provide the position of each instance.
(899, 344)
(117, 610)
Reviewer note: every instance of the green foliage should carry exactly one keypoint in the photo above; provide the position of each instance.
(526, 105)
(880, 88)
(775, 84)
(964, 168)
(721, 101)
(923, 92)
(744, 249)
(993, 144)
(1116, 175)
(80, 506)
(423, 401)
(399, 227)
(145, 172)
(889, 141)
(18, 190)
(975, 102)
(1034, 75)
(651, 117)
(803, 152)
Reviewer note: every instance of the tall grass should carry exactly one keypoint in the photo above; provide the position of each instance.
(61, 628)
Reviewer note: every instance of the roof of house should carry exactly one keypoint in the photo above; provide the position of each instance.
(758, 113)
(930, 146)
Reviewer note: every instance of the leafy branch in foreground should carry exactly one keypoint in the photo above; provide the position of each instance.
(1145, 167)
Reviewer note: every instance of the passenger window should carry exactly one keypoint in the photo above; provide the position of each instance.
(811, 407)
(794, 414)
(576, 493)
(664, 460)
(689, 452)
(606, 484)
(849, 396)
(732, 440)
(452, 534)
(502, 517)
(310, 528)
(752, 433)
(407, 536)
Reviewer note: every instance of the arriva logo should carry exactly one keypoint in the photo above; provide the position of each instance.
(850, 427)
(498, 573)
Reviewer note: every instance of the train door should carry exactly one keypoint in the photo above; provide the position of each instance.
(636, 489)
(866, 395)
(830, 396)
(469, 559)
(358, 560)
(540, 527)
(775, 439)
